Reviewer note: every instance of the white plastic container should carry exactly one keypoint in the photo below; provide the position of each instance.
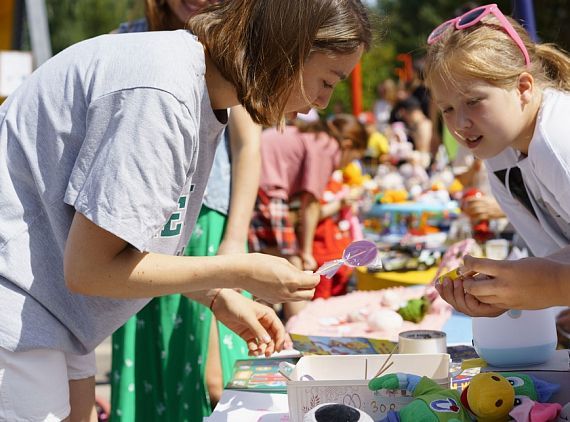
(516, 338)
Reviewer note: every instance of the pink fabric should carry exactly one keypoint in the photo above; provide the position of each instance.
(531, 411)
(293, 162)
(521, 413)
(328, 317)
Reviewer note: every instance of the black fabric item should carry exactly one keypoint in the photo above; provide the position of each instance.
(337, 413)
(516, 186)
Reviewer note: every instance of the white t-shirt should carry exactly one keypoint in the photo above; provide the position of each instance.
(543, 217)
(120, 129)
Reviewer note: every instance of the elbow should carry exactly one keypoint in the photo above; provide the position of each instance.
(76, 285)
(76, 281)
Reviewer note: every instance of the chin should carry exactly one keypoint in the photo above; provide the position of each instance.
(485, 151)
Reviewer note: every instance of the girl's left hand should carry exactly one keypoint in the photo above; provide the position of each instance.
(528, 283)
(257, 324)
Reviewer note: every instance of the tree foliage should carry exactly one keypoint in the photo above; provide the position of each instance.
(407, 23)
(401, 26)
(71, 21)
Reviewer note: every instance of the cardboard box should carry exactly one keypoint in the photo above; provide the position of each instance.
(344, 379)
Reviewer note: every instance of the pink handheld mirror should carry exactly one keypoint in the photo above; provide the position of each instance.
(360, 253)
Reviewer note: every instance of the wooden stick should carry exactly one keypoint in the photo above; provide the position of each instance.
(383, 368)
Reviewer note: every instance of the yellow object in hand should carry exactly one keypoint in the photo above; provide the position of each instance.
(454, 275)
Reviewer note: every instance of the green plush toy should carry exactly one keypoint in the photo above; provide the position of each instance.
(415, 309)
(489, 397)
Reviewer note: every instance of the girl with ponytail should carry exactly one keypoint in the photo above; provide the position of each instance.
(507, 99)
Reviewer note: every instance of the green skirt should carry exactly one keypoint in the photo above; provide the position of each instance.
(159, 355)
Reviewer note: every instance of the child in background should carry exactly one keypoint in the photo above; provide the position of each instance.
(297, 164)
(507, 100)
(385, 99)
(334, 233)
(377, 147)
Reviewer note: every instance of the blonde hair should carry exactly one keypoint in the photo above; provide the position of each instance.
(261, 46)
(485, 51)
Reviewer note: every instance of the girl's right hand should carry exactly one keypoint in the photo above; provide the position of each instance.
(276, 280)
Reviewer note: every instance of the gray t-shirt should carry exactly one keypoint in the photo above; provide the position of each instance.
(218, 189)
(120, 129)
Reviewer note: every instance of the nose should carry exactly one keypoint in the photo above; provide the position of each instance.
(462, 120)
(322, 101)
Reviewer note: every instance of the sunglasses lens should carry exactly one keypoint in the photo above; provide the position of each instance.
(470, 17)
(436, 33)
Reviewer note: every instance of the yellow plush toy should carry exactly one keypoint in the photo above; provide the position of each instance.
(490, 396)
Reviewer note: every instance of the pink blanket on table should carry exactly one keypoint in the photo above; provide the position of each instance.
(329, 317)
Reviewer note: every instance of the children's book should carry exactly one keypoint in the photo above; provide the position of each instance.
(260, 374)
(325, 345)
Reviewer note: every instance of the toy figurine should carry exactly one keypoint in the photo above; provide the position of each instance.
(489, 397)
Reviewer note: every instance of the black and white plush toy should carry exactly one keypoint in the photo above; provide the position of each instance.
(334, 412)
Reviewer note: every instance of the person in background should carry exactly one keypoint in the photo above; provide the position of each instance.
(507, 99)
(420, 128)
(296, 165)
(188, 331)
(385, 99)
(470, 171)
(107, 150)
(334, 233)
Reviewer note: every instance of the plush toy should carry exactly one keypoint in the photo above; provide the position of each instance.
(489, 397)
(530, 411)
(564, 415)
(415, 309)
(335, 412)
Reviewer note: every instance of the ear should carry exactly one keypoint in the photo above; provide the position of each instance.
(525, 87)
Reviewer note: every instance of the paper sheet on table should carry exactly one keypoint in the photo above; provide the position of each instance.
(239, 406)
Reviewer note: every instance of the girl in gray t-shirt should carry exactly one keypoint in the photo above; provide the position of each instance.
(106, 150)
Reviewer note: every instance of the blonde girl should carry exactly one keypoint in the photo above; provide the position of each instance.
(507, 100)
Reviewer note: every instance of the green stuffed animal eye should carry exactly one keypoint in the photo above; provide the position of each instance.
(515, 381)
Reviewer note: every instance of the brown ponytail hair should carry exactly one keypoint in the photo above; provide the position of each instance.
(159, 16)
(261, 46)
(341, 126)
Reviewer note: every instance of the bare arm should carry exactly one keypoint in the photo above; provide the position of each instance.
(96, 262)
(422, 137)
(246, 169)
(330, 208)
(310, 210)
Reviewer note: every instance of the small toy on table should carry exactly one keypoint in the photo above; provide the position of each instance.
(360, 253)
(489, 397)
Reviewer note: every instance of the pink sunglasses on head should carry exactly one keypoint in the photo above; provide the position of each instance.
(473, 17)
